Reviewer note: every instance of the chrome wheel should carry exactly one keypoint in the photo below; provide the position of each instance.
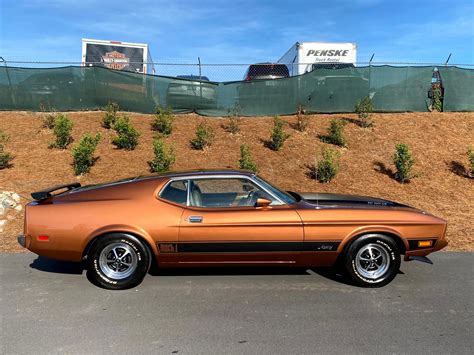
(118, 261)
(372, 261)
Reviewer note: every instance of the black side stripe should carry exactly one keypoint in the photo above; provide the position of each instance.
(249, 247)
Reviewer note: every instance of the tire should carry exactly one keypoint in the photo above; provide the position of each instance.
(118, 261)
(372, 260)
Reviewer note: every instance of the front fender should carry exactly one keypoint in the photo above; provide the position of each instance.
(380, 229)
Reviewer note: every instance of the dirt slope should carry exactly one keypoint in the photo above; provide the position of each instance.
(438, 140)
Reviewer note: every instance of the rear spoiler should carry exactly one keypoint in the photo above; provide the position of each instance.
(44, 194)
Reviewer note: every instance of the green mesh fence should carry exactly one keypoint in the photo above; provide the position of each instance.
(458, 86)
(392, 89)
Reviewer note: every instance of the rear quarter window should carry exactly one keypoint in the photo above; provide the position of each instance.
(176, 192)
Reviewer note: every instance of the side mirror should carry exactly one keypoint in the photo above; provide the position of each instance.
(262, 202)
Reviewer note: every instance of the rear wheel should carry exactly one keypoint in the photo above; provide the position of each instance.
(372, 260)
(118, 261)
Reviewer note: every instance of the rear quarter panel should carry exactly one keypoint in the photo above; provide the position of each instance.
(73, 220)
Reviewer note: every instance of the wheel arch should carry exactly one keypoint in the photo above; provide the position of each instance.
(401, 243)
(103, 234)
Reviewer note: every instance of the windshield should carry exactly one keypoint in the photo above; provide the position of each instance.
(285, 197)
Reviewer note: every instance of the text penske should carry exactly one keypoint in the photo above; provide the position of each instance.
(328, 53)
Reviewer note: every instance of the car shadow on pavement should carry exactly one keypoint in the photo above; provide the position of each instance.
(73, 268)
(327, 272)
(56, 266)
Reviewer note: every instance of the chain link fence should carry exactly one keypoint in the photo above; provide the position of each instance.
(226, 72)
(245, 89)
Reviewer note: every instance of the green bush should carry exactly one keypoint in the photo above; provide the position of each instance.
(278, 135)
(246, 161)
(83, 153)
(163, 121)
(327, 168)
(5, 157)
(335, 134)
(403, 161)
(204, 136)
(302, 120)
(4, 138)
(62, 130)
(48, 121)
(233, 125)
(127, 135)
(364, 109)
(470, 157)
(164, 157)
(111, 115)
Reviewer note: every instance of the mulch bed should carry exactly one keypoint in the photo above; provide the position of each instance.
(438, 140)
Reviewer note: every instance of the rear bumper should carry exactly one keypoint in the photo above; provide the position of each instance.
(22, 240)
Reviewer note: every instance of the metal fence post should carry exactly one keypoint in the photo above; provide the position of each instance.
(370, 74)
(200, 77)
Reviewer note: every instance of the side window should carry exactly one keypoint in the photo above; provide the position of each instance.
(176, 192)
(225, 192)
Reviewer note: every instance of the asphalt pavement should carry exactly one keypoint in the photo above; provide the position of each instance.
(50, 307)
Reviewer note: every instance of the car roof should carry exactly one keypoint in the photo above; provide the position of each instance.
(200, 172)
(169, 175)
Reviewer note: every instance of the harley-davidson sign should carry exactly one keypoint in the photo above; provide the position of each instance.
(115, 60)
(115, 55)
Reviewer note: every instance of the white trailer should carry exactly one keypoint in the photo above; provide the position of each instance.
(115, 55)
(301, 56)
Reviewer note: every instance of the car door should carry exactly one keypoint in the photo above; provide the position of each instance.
(221, 224)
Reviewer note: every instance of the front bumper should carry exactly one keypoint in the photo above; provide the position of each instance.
(416, 254)
(22, 240)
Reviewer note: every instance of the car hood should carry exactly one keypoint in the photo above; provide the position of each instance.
(340, 200)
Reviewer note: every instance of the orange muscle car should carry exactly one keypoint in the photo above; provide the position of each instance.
(223, 218)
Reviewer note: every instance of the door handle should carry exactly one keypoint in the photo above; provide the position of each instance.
(195, 219)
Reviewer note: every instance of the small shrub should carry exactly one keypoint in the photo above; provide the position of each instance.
(327, 168)
(204, 136)
(279, 136)
(164, 157)
(4, 138)
(111, 115)
(48, 121)
(364, 109)
(233, 125)
(62, 130)
(163, 121)
(470, 157)
(127, 135)
(83, 153)
(246, 161)
(302, 120)
(5, 157)
(335, 134)
(403, 161)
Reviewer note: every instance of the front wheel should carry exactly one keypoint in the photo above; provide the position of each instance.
(372, 260)
(118, 261)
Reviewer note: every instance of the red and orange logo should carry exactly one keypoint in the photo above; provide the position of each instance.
(115, 60)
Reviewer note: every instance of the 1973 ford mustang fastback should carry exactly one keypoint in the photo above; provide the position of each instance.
(223, 218)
